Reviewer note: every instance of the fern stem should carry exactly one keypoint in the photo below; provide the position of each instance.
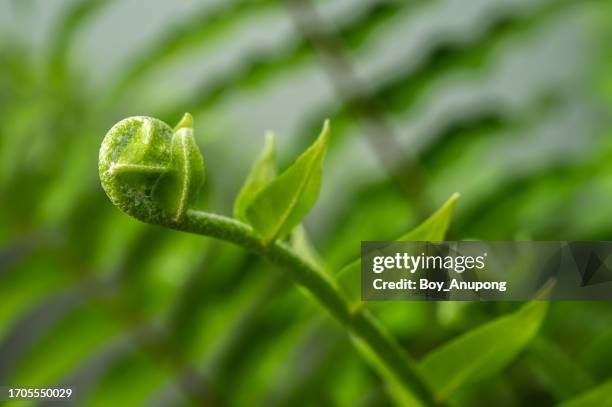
(359, 322)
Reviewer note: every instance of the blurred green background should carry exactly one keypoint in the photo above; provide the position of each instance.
(507, 102)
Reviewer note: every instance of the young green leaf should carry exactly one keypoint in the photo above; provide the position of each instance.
(551, 363)
(300, 242)
(281, 204)
(396, 390)
(483, 351)
(178, 188)
(432, 229)
(262, 172)
(597, 397)
(284, 202)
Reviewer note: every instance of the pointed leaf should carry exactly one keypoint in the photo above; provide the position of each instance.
(262, 172)
(179, 187)
(300, 242)
(597, 397)
(286, 200)
(432, 229)
(396, 390)
(483, 351)
(551, 363)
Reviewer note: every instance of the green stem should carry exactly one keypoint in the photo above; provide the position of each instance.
(358, 321)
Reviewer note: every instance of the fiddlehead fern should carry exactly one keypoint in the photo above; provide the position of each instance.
(151, 171)
(154, 173)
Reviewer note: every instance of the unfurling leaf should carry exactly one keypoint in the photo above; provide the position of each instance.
(262, 172)
(483, 351)
(151, 171)
(178, 188)
(285, 201)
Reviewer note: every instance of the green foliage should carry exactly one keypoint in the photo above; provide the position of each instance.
(550, 362)
(262, 172)
(284, 202)
(202, 27)
(432, 229)
(134, 314)
(179, 186)
(300, 242)
(483, 351)
(393, 384)
(142, 186)
(597, 397)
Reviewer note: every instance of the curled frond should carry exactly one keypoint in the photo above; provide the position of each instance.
(151, 171)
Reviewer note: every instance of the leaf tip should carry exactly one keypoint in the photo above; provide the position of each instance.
(326, 129)
(270, 142)
(450, 203)
(545, 292)
(186, 122)
(452, 200)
